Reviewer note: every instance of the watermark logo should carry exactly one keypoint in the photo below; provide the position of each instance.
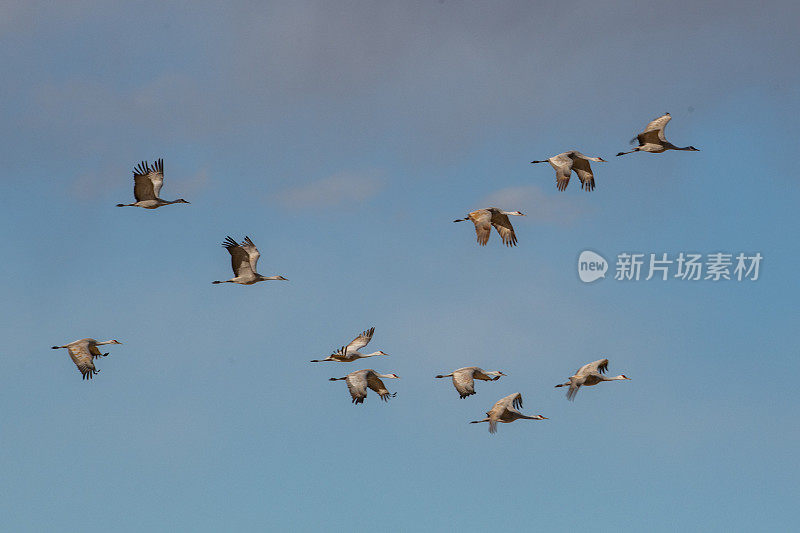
(591, 266)
(686, 266)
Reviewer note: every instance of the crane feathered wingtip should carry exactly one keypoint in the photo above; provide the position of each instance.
(571, 393)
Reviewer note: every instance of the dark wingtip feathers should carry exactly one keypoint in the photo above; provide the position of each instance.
(144, 168)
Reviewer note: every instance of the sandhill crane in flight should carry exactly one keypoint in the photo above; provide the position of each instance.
(350, 353)
(566, 162)
(244, 258)
(464, 378)
(484, 219)
(83, 352)
(147, 182)
(505, 411)
(652, 138)
(588, 375)
(358, 381)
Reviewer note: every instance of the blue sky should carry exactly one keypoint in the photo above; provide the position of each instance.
(344, 138)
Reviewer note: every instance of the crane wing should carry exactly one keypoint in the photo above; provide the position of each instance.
(252, 252)
(340, 351)
(147, 180)
(82, 357)
(482, 219)
(654, 131)
(513, 400)
(357, 385)
(562, 164)
(375, 383)
(240, 259)
(501, 409)
(601, 365)
(659, 123)
(584, 171)
(464, 382)
(504, 228)
(360, 341)
(157, 176)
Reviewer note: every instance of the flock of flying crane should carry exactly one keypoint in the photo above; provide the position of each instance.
(148, 181)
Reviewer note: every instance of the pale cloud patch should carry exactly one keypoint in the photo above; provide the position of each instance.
(163, 108)
(343, 187)
(556, 208)
(94, 185)
(195, 183)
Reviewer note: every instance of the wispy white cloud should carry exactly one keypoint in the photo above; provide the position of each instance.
(556, 208)
(340, 188)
